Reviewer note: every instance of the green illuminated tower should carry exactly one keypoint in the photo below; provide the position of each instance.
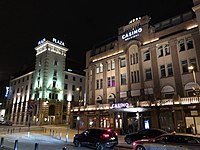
(48, 81)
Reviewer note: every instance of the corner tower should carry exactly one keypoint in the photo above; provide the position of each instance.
(48, 81)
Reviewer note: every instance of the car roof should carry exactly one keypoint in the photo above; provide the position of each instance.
(181, 134)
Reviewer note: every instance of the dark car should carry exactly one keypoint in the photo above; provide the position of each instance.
(143, 134)
(98, 138)
(170, 141)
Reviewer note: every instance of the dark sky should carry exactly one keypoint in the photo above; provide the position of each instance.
(80, 24)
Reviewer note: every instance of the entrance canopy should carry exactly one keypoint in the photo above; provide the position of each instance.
(130, 109)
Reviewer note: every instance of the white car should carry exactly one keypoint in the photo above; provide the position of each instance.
(170, 141)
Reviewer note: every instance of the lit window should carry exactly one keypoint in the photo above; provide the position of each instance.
(112, 64)
(160, 51)
(113, 80)
(167, 49)
(108, 81)
(123, 62)
(109, 65)
(101, 67)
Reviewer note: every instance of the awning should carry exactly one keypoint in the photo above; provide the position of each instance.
(130, 109)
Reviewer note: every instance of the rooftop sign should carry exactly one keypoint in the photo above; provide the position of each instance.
(54, 40)
(132, 34)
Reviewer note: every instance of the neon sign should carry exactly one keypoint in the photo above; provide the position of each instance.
(120, 105)
(132, 34)
(53, 40)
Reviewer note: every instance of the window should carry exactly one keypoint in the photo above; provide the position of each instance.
(148, 74)
(162, 71)
(97, 84)
(23, 80)
(169, 70)
(73, 87)
(54, 83)
(66, 76)
(167, 49)
(109, 65)
(193, 63)
(74, 78)
(55, 63)
(131, 59)
(55, 73)
(160, 51)
(113, 80)
(66, 86)
(81, 80)
(181, 45)
(40, 63)
(122, 62)
(101, 67)
(108, 81)
(184, 64)
(97, 69)
(112, 64)
(27, 78)
(132, 79)
(136, 58)
(189, 42)
(163, 50)
(146, 55)
(101, 83)
(123, 79)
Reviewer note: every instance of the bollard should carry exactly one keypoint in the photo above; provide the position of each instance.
(19, 129)
(2, 140)
(56, 134)
(13, 130)
(50, 131)
(66, 137)
(64, 148)
(53, 132)
(8, 131)
(16, 145)
(60, 135)
(36, 146)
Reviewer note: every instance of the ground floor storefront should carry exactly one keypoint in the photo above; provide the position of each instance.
(126, 120)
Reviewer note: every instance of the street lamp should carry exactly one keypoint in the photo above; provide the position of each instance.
(79, 105)
(196, 88)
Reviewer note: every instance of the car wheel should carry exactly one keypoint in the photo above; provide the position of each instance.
(99, 146)
(140, 148)
(128, 140)
(77, 143)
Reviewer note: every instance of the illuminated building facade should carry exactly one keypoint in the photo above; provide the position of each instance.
(142, 78)
(43, 95)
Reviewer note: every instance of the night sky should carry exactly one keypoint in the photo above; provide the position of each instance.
(80, 24)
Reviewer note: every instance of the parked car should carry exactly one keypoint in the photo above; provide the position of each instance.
(6, 123)
(143, 134)
(170, 141)
(98, 138)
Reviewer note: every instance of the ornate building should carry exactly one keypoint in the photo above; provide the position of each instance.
(44, 94)
(143, 77)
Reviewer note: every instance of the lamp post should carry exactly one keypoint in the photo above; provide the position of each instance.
(79, 107)
(196, 88)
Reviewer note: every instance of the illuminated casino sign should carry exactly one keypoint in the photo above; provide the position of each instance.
(53, 40)
(120, 105)
(132, 34)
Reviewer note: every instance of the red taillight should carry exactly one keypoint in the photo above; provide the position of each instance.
(116, 134)
(106, 135)
(109, 130)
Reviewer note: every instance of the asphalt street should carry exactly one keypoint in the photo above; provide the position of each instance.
(44, 138)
